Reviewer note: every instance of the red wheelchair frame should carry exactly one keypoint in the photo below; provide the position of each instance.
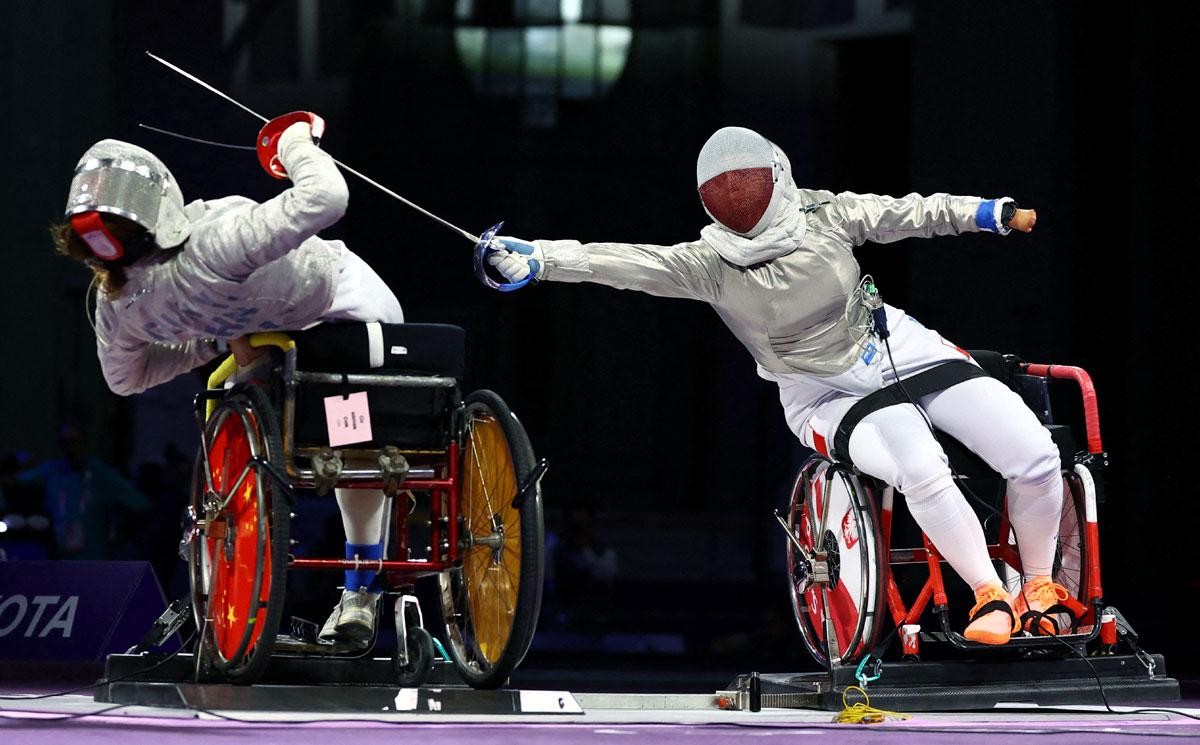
(822, 576)
(485, 521)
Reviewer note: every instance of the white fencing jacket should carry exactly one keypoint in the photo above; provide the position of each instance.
(246, 267)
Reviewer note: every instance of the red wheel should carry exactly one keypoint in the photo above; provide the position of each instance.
(238, 545)
(832, 513)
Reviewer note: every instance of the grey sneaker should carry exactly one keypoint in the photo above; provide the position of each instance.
(352, 619)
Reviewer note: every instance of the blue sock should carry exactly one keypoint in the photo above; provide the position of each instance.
(357, 579)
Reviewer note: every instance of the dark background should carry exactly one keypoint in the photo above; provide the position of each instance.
(648, 409)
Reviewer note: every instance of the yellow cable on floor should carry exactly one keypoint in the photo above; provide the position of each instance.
(863, 713)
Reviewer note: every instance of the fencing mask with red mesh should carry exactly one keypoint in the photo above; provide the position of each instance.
(738, 175)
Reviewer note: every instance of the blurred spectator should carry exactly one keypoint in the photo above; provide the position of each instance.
(89, 502)
(13, 496)
(585, 571)
(771, 641)
(26, 533)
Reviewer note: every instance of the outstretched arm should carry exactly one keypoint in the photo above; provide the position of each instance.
(883, 219)
(234, 247)
(683, 270)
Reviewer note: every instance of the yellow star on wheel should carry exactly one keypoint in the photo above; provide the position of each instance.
(230, 616)
(249, 490)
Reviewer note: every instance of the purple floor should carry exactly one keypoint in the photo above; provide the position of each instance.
(39, 721)
(136, 731)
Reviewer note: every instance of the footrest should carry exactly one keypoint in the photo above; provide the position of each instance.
(965, 684)
(1020, 640)
(289, 644)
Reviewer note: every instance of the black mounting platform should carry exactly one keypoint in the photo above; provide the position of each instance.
(963, 685)
(321, 685)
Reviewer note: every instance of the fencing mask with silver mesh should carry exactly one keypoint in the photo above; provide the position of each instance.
(738, 176)
(118, 178)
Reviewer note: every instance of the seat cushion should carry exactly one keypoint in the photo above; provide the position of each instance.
(421, 348)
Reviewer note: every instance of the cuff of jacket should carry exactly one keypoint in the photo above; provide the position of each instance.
(987, 216)
(566, 261)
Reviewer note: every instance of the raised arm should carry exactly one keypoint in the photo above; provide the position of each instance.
(683, 270)
(883, 219)
(234, 247)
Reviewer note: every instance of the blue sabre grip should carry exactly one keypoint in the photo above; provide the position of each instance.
(879, 315)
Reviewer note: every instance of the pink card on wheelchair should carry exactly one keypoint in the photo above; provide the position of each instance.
(348, 418)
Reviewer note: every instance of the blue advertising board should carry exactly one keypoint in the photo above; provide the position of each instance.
(76, 610)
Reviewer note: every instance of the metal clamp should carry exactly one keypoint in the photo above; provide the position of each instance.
(876, 671)
(327, 468)
(393, 469)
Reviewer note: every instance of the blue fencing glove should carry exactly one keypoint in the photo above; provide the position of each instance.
(519, 260)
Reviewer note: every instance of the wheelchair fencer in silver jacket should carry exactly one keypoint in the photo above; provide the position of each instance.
(243, 267)
(777, 264)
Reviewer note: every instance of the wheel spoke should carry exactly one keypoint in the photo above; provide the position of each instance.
(490, 575)
(483, 482)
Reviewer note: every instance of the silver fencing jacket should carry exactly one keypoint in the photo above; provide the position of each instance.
(796, 309)
(246, 267)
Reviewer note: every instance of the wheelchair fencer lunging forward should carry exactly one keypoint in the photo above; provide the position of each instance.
(778, 266)
(177, 279)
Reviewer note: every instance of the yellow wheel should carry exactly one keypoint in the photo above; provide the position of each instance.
(490, 605)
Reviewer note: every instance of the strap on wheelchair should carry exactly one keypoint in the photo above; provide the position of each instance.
(1070, 606)
(924, 383)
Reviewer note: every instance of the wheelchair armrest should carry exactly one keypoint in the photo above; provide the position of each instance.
(1091, 409)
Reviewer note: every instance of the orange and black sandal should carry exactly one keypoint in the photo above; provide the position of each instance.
(1054, 598)
(988, 600)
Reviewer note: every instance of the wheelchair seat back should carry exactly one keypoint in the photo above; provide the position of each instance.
(405, 411)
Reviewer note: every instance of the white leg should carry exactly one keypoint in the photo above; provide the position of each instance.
(993, 421)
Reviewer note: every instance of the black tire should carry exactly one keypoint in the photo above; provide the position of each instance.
(247, 662)
(1071, 559)
(856, 563)
(487, 653)
(420, 658)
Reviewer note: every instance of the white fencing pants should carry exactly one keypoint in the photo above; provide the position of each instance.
(895, 445)
(362, 295)
(362, 515)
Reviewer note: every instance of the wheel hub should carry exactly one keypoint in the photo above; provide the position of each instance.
(833, 559)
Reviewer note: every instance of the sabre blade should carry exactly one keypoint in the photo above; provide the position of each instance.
(417, 207)
(205, 85)
(469, 236)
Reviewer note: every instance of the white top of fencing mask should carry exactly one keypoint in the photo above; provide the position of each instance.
(121, 179)
(746, 187)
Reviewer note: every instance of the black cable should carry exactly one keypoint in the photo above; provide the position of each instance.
(1104, 697)
(7, 719)
(106, 681)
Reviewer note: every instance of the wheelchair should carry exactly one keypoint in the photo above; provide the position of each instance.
(842, 566)
(467, 460)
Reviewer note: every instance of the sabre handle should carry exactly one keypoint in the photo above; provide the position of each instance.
(488, 245)
(267, 143)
